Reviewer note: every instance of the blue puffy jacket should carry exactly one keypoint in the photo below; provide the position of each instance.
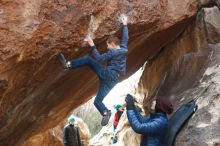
(152, 128)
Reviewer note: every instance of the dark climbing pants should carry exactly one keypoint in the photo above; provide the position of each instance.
(107, 79)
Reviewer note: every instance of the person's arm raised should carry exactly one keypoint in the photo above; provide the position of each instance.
(90, 41)
(95, 52)
(124, 40)
(149, 127)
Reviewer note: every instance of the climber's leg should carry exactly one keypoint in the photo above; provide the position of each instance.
(82, 62)
(87, 61)
(104, 88)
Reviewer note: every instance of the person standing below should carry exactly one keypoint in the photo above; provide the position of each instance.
(108, 75)
(119, 111)
(152, 128)
(71, 135)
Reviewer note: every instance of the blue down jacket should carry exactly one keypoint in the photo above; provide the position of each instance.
(151, 128)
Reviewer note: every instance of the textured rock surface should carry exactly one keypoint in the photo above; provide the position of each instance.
(186, 68)
(54, 136)
(48, 138)
(126, 136)
(35, 94)
(192, 65)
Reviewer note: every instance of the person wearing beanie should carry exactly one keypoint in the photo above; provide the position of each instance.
(153, 127)
(71, 136)
(119, 111)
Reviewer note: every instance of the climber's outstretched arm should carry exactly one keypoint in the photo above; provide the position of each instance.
(124, 40)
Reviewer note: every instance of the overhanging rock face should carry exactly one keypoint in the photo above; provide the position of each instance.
(191, 70)
(185, 69)
(35, 94)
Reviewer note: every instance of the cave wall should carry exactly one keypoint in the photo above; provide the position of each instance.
(182, 63)
(35, 94)
(188, 68)
(181, 70)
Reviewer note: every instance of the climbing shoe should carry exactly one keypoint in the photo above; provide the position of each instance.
(106, 118)
(63, 61)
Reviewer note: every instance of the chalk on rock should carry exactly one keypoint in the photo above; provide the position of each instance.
(88, 36)
(121, 17)
(76, 49)
(1, 11)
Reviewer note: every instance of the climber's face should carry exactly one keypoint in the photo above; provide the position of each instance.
(153, 106)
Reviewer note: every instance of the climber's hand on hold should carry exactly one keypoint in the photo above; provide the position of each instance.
(90, 41)
(124, 19)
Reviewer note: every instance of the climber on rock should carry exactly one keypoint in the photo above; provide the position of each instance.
(152, 128)
(71, 136)
(119, 111)
(108, 75)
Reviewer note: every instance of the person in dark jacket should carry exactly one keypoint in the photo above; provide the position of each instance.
(108, 75)
(151, 128)
(71, 135)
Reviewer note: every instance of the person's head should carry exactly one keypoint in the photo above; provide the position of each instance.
(119, 107)
(162, 104)
(113, 42)
(71, 120)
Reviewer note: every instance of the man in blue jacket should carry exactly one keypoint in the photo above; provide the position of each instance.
(108, 75)
(151, 128)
